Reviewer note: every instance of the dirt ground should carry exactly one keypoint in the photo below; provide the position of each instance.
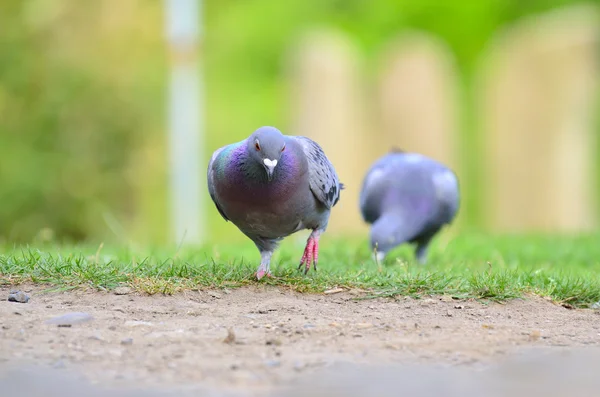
(255, 339)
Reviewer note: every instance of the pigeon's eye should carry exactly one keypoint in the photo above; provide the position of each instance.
(257, 145)
(283, 148)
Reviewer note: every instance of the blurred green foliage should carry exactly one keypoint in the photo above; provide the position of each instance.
(82, 94)
(72, 108)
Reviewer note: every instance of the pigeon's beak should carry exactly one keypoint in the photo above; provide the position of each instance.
(270, 167)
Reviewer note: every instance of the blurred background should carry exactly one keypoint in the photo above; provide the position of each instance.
(504, 91)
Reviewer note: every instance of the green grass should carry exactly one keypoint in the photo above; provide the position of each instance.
(566, 269)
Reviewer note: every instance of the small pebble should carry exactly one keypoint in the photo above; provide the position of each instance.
(272, 363)
(69, 319)
(273, 342)
(18, 296)
(534, 335)
(123, 290)
(127, 341)
(230, 338)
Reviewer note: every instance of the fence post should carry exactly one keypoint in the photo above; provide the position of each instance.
(327, 106)
(536, 91)
(418, 98)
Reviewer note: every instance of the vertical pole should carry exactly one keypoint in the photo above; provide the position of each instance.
(183, 30)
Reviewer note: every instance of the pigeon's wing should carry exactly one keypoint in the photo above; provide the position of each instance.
(324, 182)
(428, 199)
(430, 207)
(211, 181)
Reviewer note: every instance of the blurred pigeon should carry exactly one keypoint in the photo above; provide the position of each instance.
(407, 198)
(271, 185)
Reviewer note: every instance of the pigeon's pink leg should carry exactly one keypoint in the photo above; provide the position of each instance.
(311, 252)
(307, 255)
(264, 268)
(316, 253)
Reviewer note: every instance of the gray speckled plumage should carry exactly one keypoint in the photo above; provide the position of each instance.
(407, 198)
(271, 185)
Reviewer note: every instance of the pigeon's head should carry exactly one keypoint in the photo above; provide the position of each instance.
(265, 146)
(385, 236)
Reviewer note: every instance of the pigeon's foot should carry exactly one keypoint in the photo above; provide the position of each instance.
(307, 256)
(262, 271)
(311, 252)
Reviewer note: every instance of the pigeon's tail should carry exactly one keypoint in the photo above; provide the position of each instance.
(395, 149)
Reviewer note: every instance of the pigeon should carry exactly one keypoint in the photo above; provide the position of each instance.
(407, 198)
(272, 185)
